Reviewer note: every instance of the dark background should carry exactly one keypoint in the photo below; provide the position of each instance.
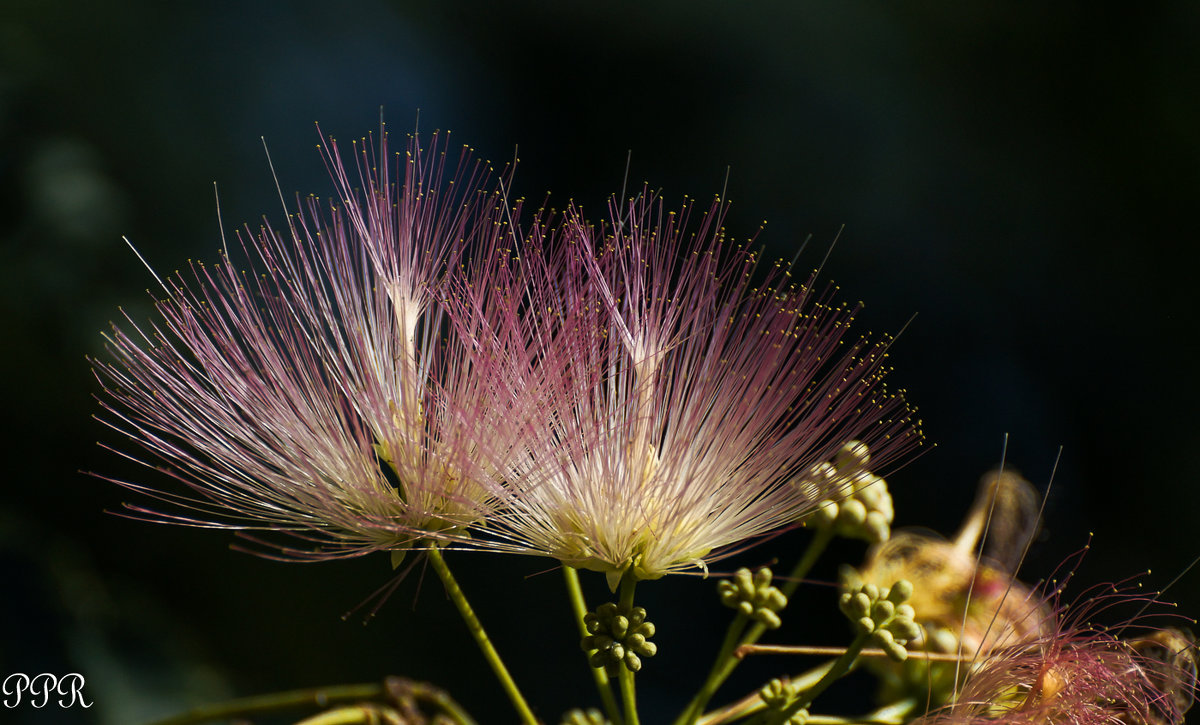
(1022, 176)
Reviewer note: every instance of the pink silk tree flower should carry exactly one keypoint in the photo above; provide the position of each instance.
(1080, 673)
(314, 394)
(672, 405)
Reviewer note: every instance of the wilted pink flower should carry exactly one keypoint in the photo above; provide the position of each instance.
(671, 402)
(965, 602)
(314, 394)
(1078, 673)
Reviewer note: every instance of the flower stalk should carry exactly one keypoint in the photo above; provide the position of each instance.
(628, 689)
(837, 670)
(599, 674)
(728, 657)
(753, 702)
(275, 702)
(372, 699)
(475, 627)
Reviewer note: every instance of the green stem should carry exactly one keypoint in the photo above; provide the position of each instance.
(895, 714)
(353, 715)
(629, 695)
(402, 689)
(258, 704)
(840, 667)
(603, 686)
(628, 691)
(816, 547)
(721, 668)
(476, 629)
(753, 702)
(726, 659)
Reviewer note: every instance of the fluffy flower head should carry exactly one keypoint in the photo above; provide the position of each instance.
(672, 395)
(1079, 673)
(313, 394)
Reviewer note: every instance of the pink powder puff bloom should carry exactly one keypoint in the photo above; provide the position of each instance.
(315, 395)
(672, 406)
(1079, 673)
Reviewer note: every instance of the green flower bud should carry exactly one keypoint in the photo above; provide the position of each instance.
(876, 527)
(619, 626)
(762, 578)
(906, 629)
(769, 619)
(753, 596)
(853, 457)
(618, 636)
(853, 513)
(775, 600)
(942, 639)
(896, 652)
(591, 716)
(884, 638)
(859, 505)
(598, 641)
(880, 613)
(826, 513)
(901, 591)
(745, 583)
(775, 695)
(855, 605)
(823, 472)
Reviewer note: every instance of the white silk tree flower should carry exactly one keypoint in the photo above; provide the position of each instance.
(314, 394)
(673, 397)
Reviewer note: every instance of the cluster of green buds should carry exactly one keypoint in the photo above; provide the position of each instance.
(777, 695)
(753, 596)
(883, 615)
(618, 635)
(864, 506)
